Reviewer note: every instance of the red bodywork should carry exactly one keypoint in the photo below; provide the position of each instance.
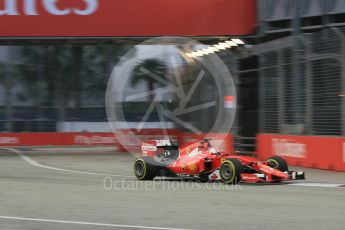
(196, 158)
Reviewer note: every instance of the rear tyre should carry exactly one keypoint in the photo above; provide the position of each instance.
(278, 162)
(144, 170)
(230, 171)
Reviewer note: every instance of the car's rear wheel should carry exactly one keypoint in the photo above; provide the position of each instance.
(278, 162)
(144, 170)
(230, 171)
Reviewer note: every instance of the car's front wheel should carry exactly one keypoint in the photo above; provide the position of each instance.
(278, 162)
(230, 171)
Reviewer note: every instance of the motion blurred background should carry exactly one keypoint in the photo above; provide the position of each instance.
(290, 72)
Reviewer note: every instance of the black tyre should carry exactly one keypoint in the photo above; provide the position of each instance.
(230, 171)
(278, 162)
(203, 178)
(144, 170)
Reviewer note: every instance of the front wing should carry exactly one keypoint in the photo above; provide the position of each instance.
(261, 177)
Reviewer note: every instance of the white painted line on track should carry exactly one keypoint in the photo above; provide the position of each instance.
(37, 164)
(87, 223)
(322, 185)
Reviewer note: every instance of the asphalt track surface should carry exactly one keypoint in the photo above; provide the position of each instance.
(93, 188)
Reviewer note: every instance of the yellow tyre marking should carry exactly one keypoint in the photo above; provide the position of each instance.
(274, 161)
(233, 167)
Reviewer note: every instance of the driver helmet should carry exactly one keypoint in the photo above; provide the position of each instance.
(212, 150)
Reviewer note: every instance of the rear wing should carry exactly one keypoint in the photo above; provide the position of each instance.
(149, 148)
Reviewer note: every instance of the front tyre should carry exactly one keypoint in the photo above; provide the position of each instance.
(144, 170)
(230, 171)
(278, 162)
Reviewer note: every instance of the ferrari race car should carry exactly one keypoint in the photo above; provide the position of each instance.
(203, 162)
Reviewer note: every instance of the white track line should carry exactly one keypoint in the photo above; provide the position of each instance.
(322, 185)
(87, 223)
(37, 164)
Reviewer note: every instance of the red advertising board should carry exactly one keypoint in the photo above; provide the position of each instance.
(126, 18)
(222, 141)
(57, 139)
(309, 151)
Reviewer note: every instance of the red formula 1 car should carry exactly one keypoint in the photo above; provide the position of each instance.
(201, 161)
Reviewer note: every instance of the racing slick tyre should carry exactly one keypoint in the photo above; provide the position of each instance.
(143, 170)
(278, 162)
(230, 171)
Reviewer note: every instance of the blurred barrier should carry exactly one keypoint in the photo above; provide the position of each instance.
(58, 139)
(222, 141)
(308, 151)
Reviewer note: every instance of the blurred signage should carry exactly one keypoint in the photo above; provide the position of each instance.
(58, 139)
(30, 7)
(4, 140)
(285, 147)
(95, 140)
(50, 18)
